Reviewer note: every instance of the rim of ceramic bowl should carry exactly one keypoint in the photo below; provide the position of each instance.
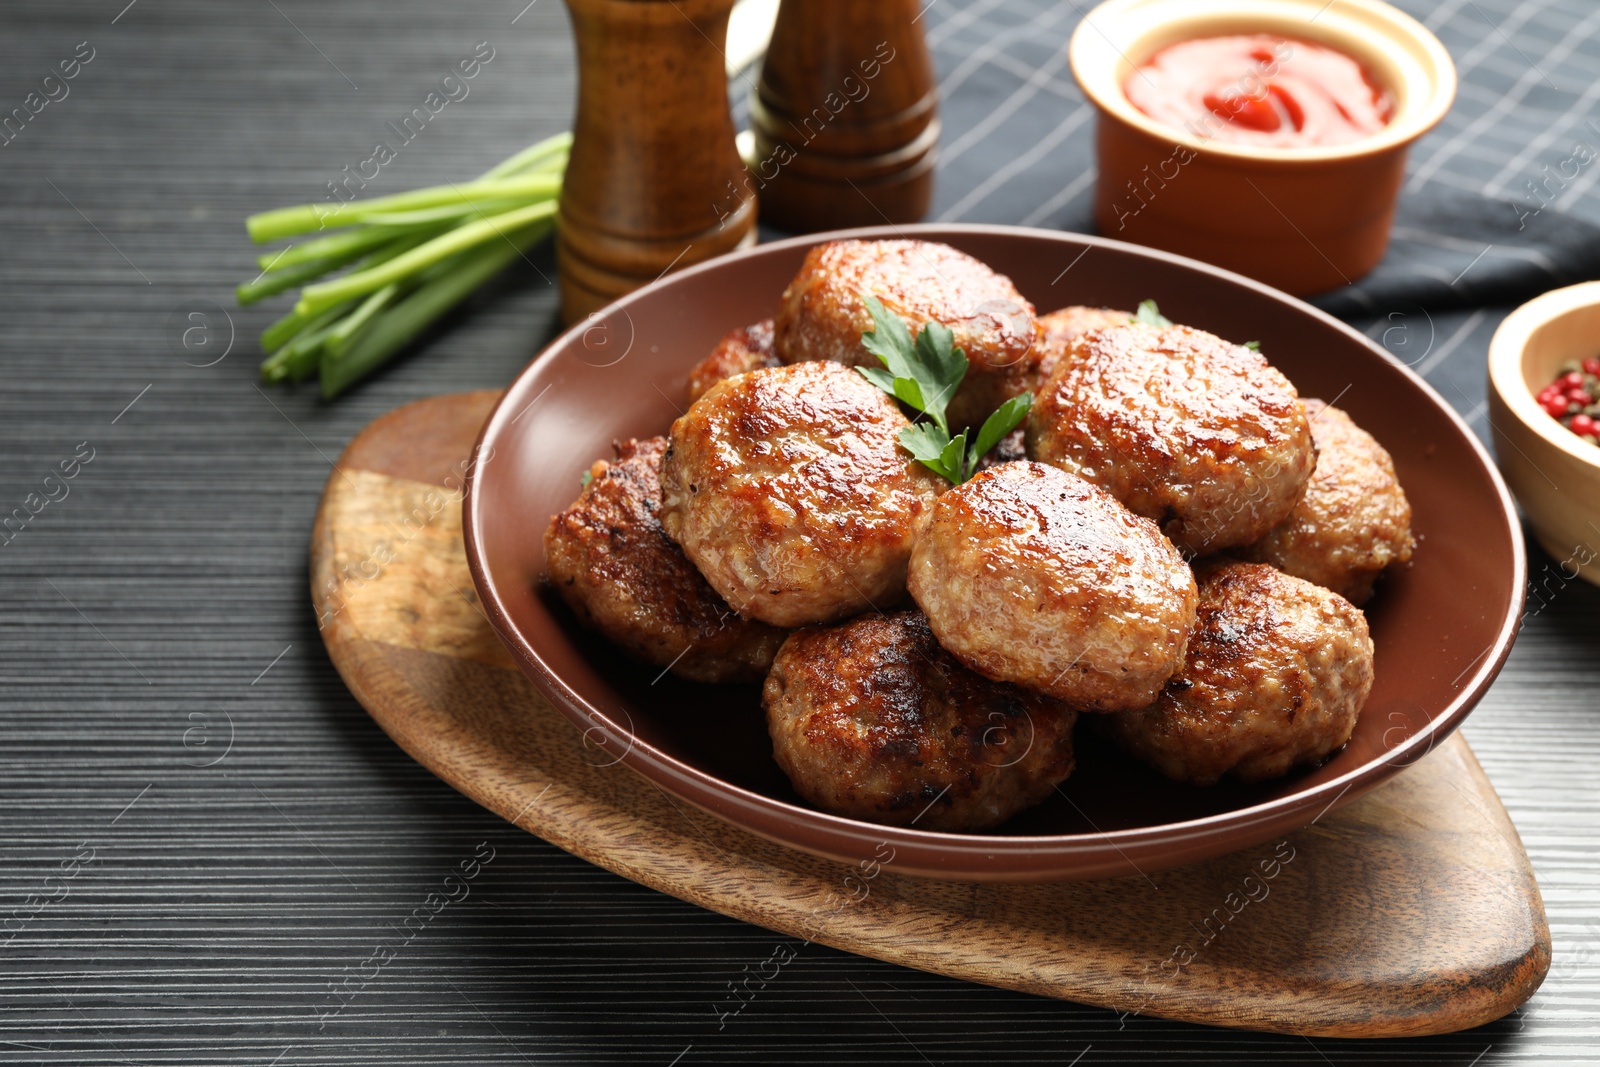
(1506, 349)
(1404, 56)
(771, 817)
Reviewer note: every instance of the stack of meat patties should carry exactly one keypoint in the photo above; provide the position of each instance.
(1173, 547)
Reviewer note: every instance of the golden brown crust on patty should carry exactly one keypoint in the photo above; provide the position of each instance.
(1060, 329)
(788, 488)
(1275, 676)
(614, 565)
(1201, 435)
(739, 352)
(822, 314)
(872, 719)
(1033, 576)
(1354, 519)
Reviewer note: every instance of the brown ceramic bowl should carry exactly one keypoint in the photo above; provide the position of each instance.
(1305, 219)
(1443, 626)
(1554, 474)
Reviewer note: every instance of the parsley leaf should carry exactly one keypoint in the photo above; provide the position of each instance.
(925, 375)
(996, 426)
(1254, 346)
(926, 442)
(1151, 315)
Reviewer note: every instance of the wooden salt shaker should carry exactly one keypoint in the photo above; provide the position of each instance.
(845, 116)
(654, 181)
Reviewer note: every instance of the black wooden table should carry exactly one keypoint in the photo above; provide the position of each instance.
(200, 830)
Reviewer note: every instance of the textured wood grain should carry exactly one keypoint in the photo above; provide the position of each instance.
(845, 116)
(1412, 911)
(655, 182)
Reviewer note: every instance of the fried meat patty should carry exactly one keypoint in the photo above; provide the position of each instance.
(822, 314)
(1061, 328)
(1033, 576)
(1275, 676)
(788, 488)
(740, 351)
(1354, 519)
(1201, 435)
(611, 561)
(874, 720)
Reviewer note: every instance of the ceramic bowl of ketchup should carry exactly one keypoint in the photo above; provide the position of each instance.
(1265, 136)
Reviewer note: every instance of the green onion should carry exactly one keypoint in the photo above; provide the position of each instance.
(299, 357)
(291, 324)
(314, 298)
(533, 156)
(411, 257)
(281, 332)
(449, 213)
(308, 218)
(346, 246)
(349, 328)
(421, 309)
(276, 281)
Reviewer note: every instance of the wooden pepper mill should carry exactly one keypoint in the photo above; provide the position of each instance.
(654, 181)
(845, 116)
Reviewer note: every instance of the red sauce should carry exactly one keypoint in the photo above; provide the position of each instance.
(1260, 89)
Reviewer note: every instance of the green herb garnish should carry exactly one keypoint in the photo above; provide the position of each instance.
(925, 375)
(1150, 315)
(1254, 346)
(411, 256)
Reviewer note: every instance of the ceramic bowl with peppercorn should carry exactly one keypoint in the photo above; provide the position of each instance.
(1544, 406)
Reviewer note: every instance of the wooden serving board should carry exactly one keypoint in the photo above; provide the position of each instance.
(1411, 911)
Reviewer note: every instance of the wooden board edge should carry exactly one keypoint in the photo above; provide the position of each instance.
(1343, 1013)
(362, 665)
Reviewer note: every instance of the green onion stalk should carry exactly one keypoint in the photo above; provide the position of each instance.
(411, 257)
